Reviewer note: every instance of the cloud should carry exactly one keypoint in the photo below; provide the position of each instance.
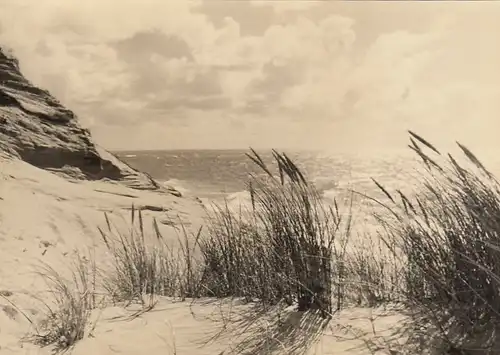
(252, 20)
(298, 54)
(255, 67)
(284, 6)
(141, 45)
(94, 51)
(206, 103)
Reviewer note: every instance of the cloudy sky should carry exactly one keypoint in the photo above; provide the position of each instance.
(157, 74)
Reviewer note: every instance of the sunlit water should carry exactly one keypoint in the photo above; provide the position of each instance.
(218, 175)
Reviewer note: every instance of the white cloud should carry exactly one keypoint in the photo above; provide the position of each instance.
(169, 69)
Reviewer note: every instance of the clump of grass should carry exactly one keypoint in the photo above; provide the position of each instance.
(145, 264)
(282, 250)
(67, 315)
(448, 238)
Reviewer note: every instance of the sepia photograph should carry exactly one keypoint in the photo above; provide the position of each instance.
(249, 177)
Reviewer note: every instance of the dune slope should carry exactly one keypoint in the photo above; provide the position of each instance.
(56, 184)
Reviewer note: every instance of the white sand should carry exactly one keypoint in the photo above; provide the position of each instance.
(44, 218)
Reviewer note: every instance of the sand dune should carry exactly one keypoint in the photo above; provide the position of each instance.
(45, 218)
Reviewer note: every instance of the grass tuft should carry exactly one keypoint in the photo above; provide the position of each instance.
(283, 249)
(146, 264)
(449, 243)
(67, 316)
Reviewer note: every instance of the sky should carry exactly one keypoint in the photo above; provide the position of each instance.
(339, 76)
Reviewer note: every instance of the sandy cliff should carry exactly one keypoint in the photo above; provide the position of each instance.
(55, 183)
(37, 129)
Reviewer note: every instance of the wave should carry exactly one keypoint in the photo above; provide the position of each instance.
(243, 200)
(180, 185)
(130, 156)
(322, 183)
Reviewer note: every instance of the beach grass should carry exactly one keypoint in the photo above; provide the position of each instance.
(447, 237)
(67, 305)
(143, 263)
(282, 249)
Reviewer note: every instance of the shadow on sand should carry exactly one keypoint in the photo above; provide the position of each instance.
(255, 330)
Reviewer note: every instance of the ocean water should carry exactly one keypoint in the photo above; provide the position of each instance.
(218, 175)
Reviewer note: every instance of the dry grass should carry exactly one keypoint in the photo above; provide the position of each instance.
(289, 248)
(283, 249)
(145, 264)
(67, 315)
(447, 237)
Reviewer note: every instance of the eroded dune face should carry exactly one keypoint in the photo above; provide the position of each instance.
(37, 128)
(43, 152)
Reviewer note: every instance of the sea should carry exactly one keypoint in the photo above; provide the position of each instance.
(221, 176)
